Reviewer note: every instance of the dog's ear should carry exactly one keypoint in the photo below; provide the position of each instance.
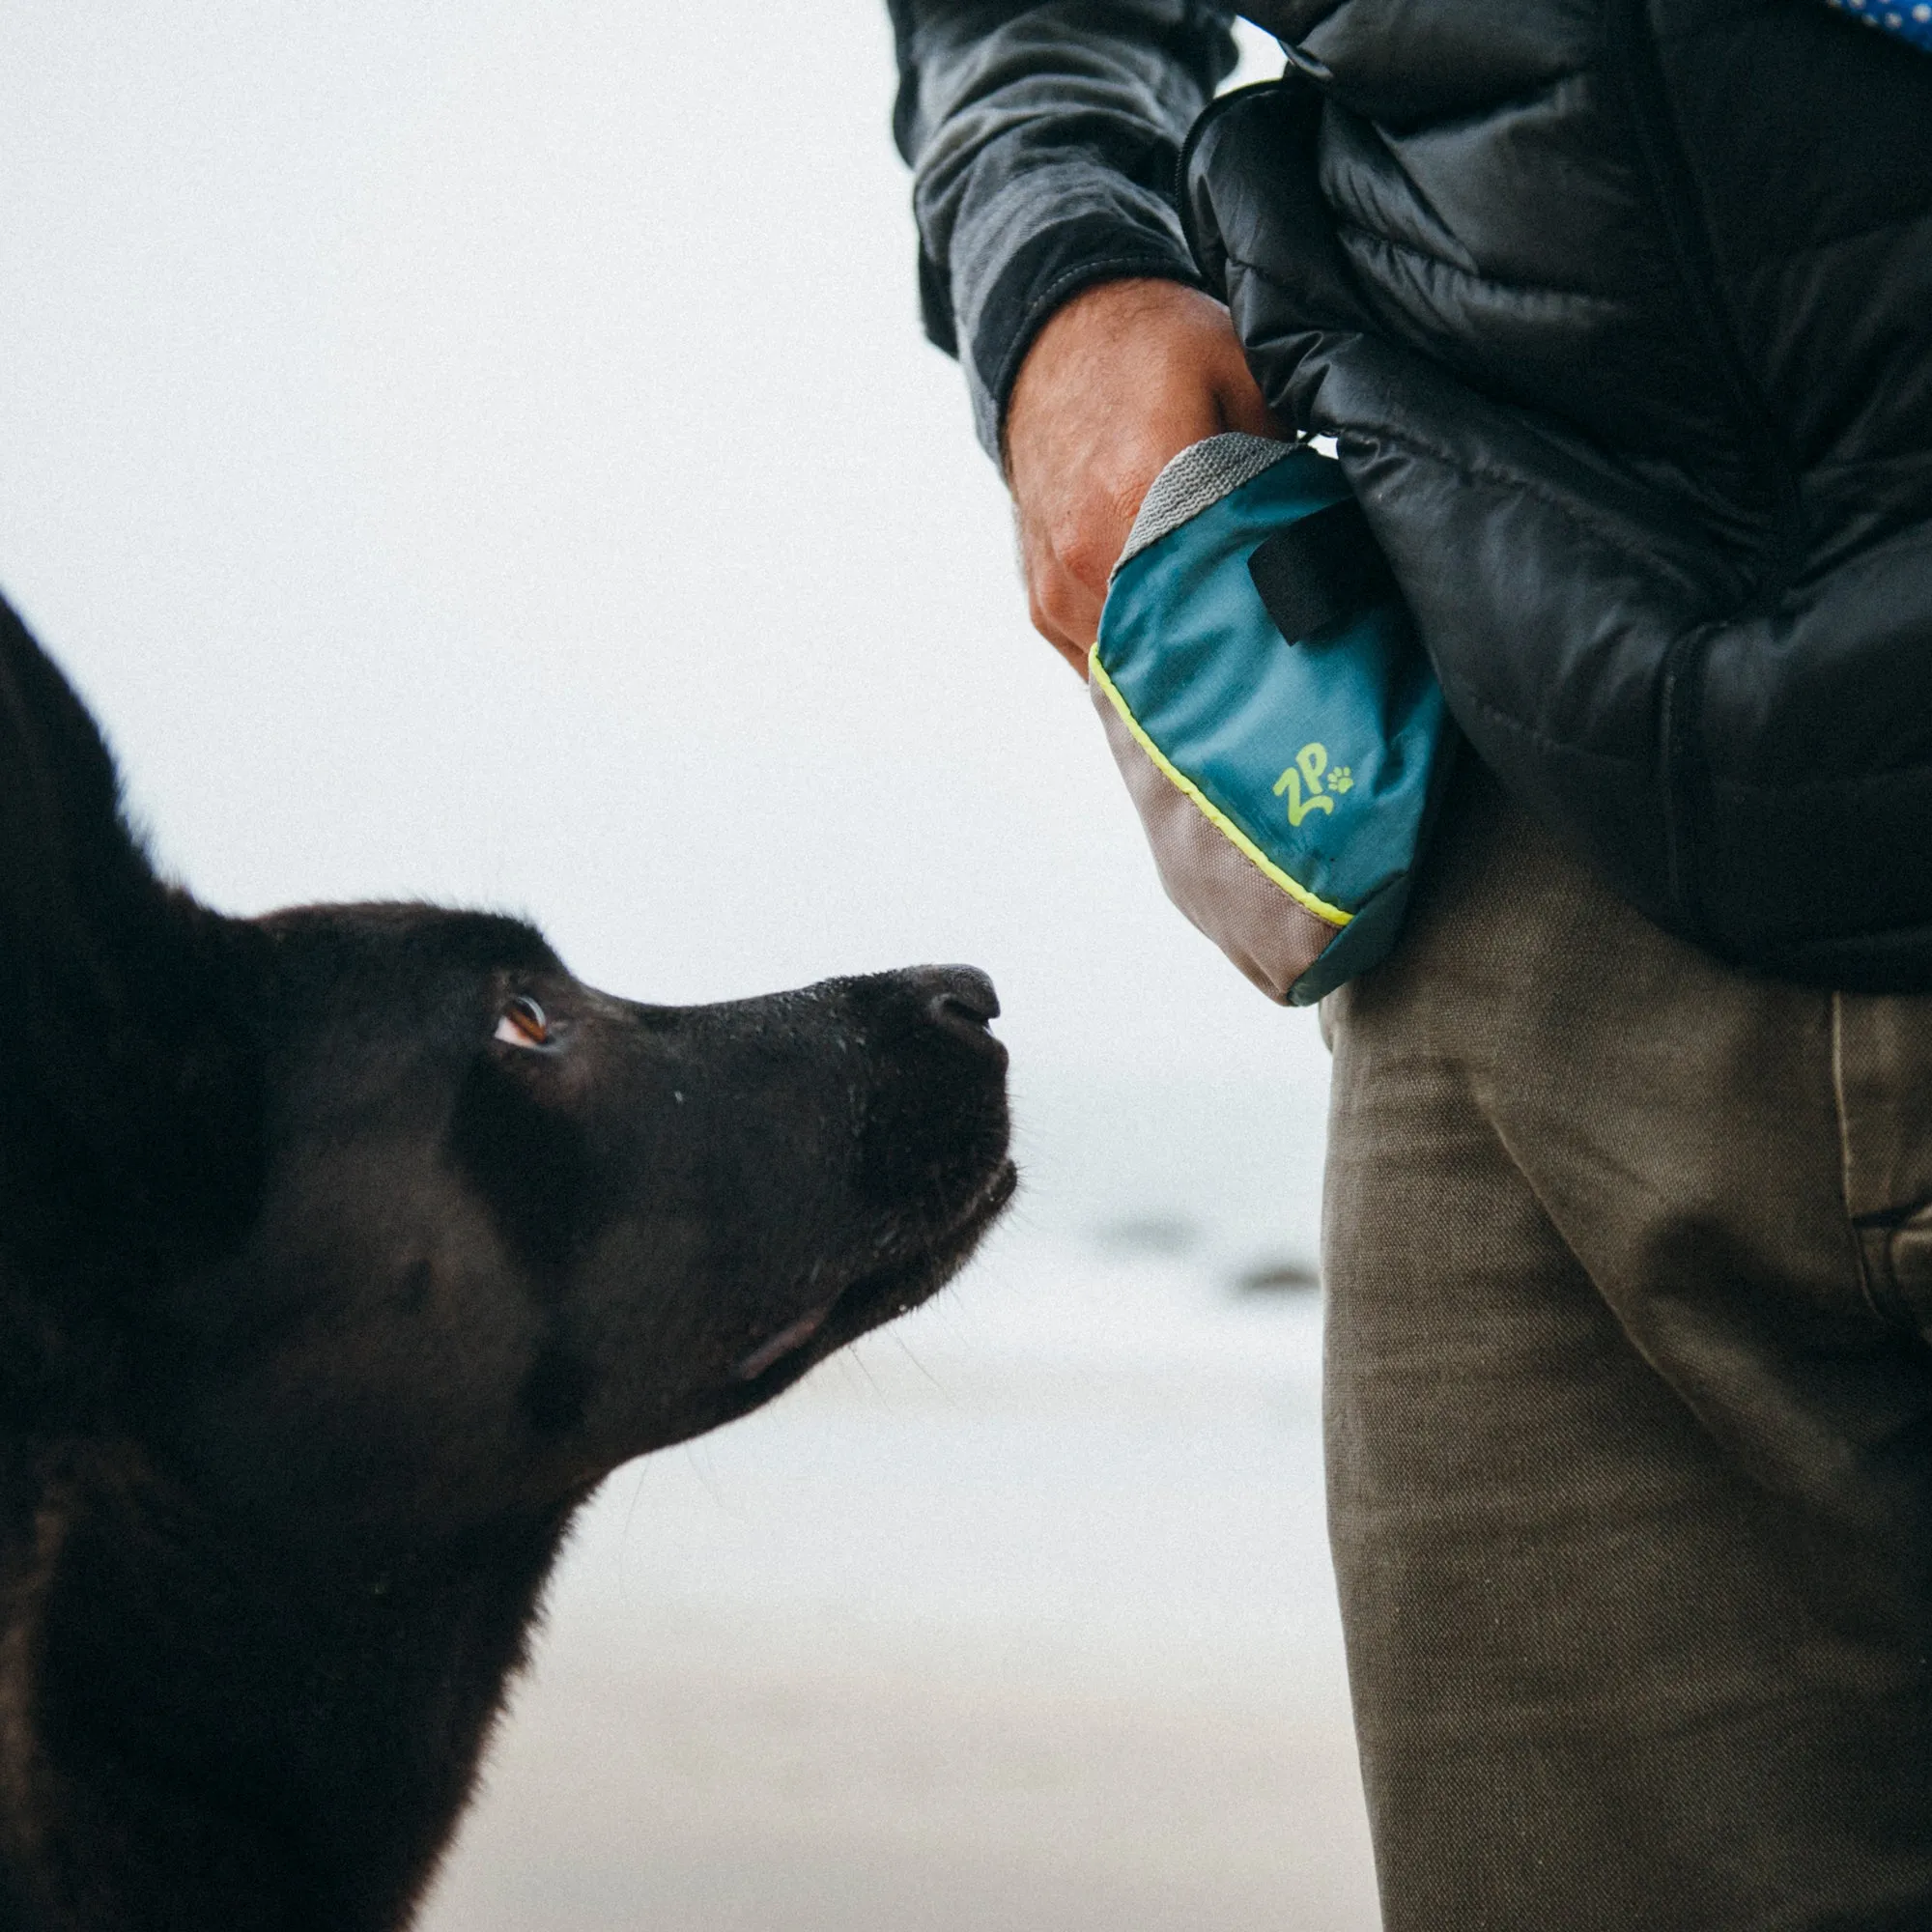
(125, 1080)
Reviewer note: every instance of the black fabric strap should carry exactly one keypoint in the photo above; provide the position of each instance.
(1320, 572)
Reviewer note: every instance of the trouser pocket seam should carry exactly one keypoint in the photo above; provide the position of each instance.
(1901, 1295)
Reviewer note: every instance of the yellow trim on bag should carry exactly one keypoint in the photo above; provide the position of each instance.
(1329, 915)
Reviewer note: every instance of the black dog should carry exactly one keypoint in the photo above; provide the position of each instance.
(342, 1254)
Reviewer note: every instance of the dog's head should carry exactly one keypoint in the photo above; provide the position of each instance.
(376, 1217)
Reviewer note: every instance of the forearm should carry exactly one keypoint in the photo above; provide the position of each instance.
(1044, 139)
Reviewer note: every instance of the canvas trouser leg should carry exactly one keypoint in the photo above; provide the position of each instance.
(1630, 1417)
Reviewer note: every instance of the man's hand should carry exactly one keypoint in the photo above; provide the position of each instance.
(1120, 381)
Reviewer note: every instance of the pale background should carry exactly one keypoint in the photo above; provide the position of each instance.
(487, 451)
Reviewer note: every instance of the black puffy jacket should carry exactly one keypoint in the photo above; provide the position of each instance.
(1621, 311)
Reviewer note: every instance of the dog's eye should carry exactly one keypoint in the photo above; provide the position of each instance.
(522, 1023)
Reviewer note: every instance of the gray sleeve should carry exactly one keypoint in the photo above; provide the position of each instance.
(1043, 139)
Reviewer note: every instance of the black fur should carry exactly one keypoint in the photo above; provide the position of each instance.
(322, 1309)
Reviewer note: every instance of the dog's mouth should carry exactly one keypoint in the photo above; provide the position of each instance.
(782, 1344)
(871, 1298)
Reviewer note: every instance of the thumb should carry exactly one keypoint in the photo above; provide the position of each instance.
(1239, 401)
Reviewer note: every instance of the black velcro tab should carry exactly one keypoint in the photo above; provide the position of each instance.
(1320, 572)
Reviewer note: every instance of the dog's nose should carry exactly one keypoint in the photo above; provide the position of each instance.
(959, 998)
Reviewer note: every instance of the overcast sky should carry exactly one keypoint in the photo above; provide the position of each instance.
(487, 451)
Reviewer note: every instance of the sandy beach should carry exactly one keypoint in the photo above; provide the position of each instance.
(1020, 1616)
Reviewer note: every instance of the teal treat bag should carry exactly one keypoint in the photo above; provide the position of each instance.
(1271, 711)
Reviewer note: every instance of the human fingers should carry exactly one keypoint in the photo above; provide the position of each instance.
(1118, 382)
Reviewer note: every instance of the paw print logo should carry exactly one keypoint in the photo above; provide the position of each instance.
(1340, 778)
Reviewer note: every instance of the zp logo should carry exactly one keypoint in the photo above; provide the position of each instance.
(1302, 782)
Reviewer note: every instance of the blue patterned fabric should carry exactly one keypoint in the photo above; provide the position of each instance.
(1910, 19)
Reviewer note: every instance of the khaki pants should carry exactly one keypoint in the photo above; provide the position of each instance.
(1630, 1417)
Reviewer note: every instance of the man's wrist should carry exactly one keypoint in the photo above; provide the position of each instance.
(1043, 276)
(1053, 297)
(1118, 379)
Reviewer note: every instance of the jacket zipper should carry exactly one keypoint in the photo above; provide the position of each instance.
(1184, 164)
(1633, 45)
